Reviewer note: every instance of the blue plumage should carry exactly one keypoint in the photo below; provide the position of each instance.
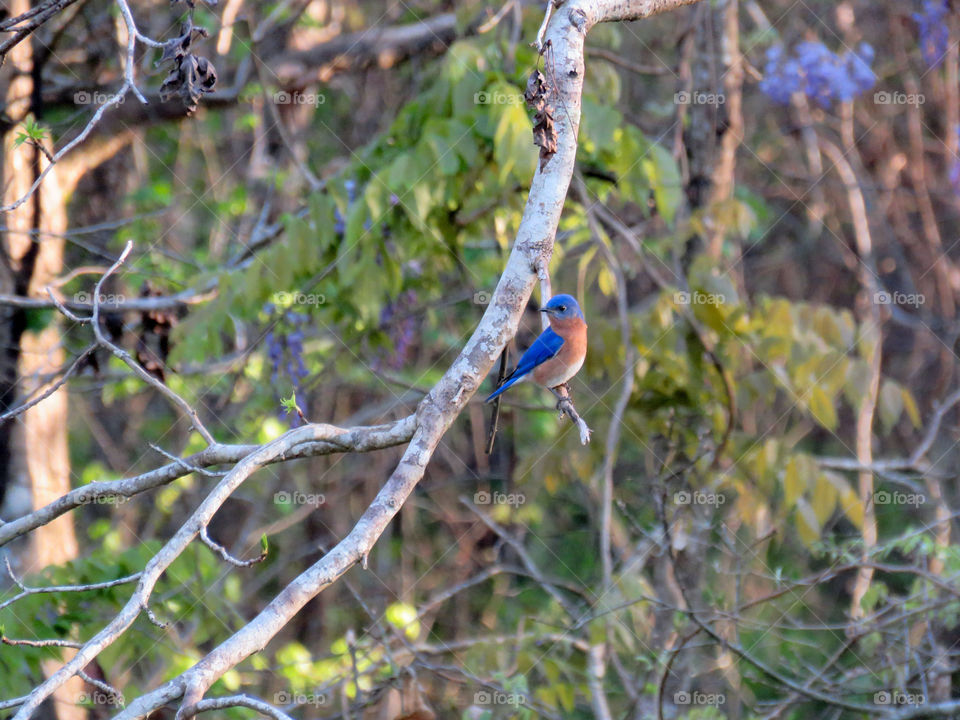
(544, 348)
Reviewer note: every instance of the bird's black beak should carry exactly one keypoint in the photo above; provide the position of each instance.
(548, 311)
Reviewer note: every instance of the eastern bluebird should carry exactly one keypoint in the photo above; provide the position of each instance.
(558, 353)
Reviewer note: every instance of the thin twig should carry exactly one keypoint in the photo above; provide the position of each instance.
(40, 643)
(112, 692)
(138, 369)
(25, 590)
(52, 388)
(222, 552)
(246, 701)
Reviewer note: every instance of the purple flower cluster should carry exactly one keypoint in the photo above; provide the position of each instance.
(339, 222)
(285, 350)
(932, 27)
(821, 75)
(402, 329)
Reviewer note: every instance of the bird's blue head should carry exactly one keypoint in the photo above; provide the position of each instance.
(563, 307)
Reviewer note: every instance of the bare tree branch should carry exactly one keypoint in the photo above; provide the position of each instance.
(228, 701)
(173, 549)
(357, 439)
(26, 591)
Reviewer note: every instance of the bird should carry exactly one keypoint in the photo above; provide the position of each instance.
(558, 354)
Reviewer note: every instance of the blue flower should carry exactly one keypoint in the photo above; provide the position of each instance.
(822, 75)
(932, 27)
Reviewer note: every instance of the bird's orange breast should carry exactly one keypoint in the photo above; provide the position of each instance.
(568, 361)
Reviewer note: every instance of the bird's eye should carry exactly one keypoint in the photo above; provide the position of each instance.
(563, 308)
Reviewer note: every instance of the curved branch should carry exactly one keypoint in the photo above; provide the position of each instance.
(26, 591)
(51, 389)
(357, 439)
(140, 304)
(179, 542)
(262, 707)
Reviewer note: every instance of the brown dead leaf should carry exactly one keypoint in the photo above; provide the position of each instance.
(539, 97)
(191, 75)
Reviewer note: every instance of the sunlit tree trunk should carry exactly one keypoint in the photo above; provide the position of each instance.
(36, 453)
(33, 447)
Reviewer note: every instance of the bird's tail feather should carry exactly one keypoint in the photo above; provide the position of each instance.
(510, 381)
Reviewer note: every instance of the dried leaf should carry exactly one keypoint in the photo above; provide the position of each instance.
(153, 344)
(538, 96)
(192, 75)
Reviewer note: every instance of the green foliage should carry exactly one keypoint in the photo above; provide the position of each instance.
(430, 207)
(425, 198)
(31, 132)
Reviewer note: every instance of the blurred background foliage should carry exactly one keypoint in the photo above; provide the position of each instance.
(345, 261)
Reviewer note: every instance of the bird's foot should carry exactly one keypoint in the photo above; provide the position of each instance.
(562, 393)
(565, 407)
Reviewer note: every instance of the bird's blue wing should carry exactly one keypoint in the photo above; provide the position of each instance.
(544, 348)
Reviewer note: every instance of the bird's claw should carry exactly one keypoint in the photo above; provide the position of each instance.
(562, 393)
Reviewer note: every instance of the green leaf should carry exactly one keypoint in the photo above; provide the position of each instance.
(822, 409)
(607, 281)
(600, 124)
(797, 477)
(808, 528)
(32, 131)
(910, 405)
(857, 383)
(874, 594)
(404, 617)
(664, 178)
(848, 499)
(322, 221)
(823, 499)
(289, 404)
(566, 695)
(827, 326)
(890, 404)
(513, 148)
